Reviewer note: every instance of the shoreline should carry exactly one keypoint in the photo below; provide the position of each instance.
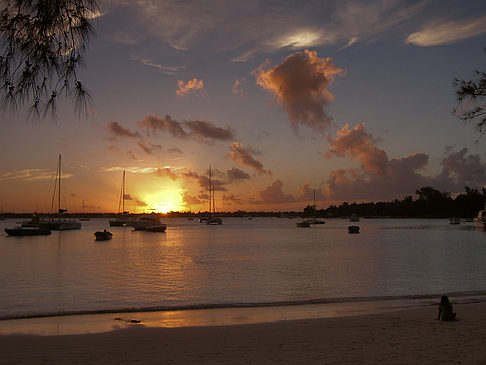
(223, 315)
(401, 336)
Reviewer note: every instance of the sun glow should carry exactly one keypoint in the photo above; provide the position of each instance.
(165, 201)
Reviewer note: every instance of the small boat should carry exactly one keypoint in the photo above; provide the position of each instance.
(353, 229)
(157, 228)
(480, 220)
(354, 218)
(103, 235)
(454, 220)
(314, 221)
(27, 231)
(303, 224)
(148, 221)
(214, 221)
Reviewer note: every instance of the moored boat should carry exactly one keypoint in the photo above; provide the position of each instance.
(150, 222)
(480, 220)
(214, 221)
(123, 219)
(454, 220)
(27, 231)
(354, 218)
(353, 229)
(157, 228)
(314, 221)
(103, 235)
(58, 223)
(303, 224)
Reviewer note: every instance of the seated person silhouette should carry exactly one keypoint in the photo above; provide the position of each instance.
(445, 310)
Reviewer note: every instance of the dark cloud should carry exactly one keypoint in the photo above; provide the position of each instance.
(381, 177)
(132, 155)
(191, 200)
(460, 169)
(192, 129)
(236, 174)
(231, 199)
(307, 193)
(273, 194)
(240, 154)
(149, 148)
(117, 130)
(300, 84)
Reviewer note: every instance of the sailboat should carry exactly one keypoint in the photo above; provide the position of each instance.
(123, 219)
(59, 223)
(212, 220)
(314, 220)
(84, 217)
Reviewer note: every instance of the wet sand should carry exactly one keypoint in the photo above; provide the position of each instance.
(407, 336)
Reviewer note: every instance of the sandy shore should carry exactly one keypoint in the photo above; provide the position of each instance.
(411, 336)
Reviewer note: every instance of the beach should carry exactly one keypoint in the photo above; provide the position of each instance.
(409, 336)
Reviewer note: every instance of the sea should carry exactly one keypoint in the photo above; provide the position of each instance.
(258, 262)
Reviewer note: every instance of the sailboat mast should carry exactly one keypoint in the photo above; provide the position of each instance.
(210, 189)
(59, 187)
(123, 193)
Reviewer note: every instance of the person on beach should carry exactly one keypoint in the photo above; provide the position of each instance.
(445, 310)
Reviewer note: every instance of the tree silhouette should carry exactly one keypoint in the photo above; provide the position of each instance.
(42, 45)
(471, 99)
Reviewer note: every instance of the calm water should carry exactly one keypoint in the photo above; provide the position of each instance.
(264, 260)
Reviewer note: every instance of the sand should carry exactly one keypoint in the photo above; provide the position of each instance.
(411, 336)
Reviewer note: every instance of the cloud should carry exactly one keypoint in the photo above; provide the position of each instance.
(237, 88)
(192, 129)
(191, 200)
(231, 199)
(300, 84)
(167, 172)
(190, 86)
(169, 70)
(113, 148)
(235, 175)
(243, 29)
(381, 177)
(359, 144)
(460, 169)
(32, 175)
(117, 130)
(440, 32)
(307, 193)
(273, 194)
(174, 150)
(149, 149)
(243, 156)
(132, 155)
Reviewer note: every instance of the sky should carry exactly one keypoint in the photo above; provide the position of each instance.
(349, 99)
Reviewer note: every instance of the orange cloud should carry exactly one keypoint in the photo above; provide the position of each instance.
(237, 87)
(300, 84)
(243, 156)
(359, 144)
(190, 86)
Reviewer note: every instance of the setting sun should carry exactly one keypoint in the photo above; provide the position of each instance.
(165, 201)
